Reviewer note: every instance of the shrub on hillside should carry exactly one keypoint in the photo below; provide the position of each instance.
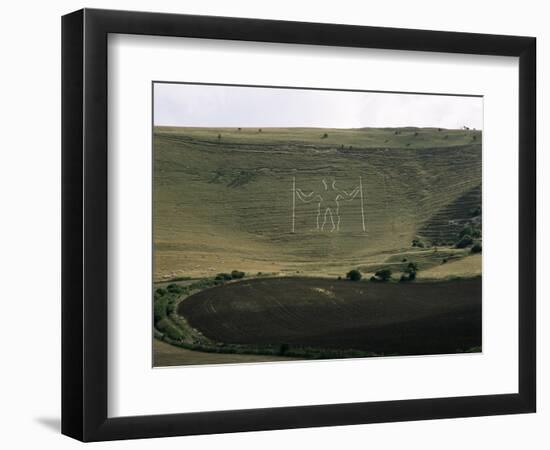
(383, 274)
(174, 288)
(223, 276)
(236, 274)
(464, 242)
(476, 248)
(475, 212)
(410, 272)
(470, 231)
(159, 309)
(417, 243)
(354, 275)
(467, 230)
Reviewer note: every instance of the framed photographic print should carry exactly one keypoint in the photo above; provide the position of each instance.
(273, 224)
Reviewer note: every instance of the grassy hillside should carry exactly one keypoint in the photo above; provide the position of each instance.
(223, 197)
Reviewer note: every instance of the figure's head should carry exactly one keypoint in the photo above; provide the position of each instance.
(329, 183)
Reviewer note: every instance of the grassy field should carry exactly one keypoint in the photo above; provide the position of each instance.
(169, 355)
(225, 199)
(469, 266)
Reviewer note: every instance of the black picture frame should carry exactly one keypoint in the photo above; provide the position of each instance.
(84, 224)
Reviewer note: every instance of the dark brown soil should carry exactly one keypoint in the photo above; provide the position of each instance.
(383, 318)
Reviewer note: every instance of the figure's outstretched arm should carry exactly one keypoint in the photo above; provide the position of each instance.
(306, 198)
(345, 196)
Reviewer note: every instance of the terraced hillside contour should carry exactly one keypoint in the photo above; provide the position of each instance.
(447, 223)
(226, 199)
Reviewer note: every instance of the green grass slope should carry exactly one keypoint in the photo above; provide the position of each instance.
(223, 197)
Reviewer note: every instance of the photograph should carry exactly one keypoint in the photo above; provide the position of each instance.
(249, 225)
(309, 224)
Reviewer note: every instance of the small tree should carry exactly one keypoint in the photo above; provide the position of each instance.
(467, 230)
(324, 136)
(410, 272)
(475, 211)
(417, 243)
(464, 242)
(476, 248)
(354, 275)
(383, 274)
(236, 274)
(174, 288)
(223, 276)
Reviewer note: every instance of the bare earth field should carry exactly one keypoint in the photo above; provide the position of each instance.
(385, 319)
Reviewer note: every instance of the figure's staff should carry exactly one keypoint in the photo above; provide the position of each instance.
(293, 202)
(362, 208)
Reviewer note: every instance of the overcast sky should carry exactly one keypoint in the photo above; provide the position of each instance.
(233, 106)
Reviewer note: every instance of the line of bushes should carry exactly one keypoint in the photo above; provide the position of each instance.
(384, 275)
